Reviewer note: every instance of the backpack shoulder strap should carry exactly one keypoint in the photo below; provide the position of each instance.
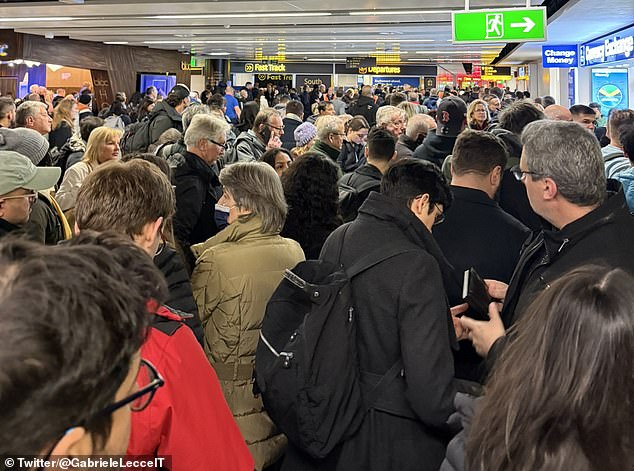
(372, 259)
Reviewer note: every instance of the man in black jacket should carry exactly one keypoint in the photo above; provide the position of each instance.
(451, 119)
(403, 316)
(197, 184)
(563, 171)
(477, 232)
(167, 113)
(294, 117)
(365, 105)
(355, 187)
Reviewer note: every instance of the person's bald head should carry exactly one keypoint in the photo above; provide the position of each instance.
(558, 113)
(416, 127)
(430, 122)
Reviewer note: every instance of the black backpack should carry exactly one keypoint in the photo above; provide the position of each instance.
(350, 196)
(306, 365)
(136, 137)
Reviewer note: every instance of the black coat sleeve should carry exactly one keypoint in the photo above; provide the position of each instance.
(425, 347)
(189, 201)
(180, 295)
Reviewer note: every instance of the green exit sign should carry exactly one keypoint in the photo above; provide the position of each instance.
(504, 25)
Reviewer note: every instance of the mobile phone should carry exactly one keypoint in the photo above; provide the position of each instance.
(475, 293)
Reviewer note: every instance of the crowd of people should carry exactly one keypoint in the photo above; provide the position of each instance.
(140, 246)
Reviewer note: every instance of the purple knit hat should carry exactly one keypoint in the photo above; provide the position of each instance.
(305, 133)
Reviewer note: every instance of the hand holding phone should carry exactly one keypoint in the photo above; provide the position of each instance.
(476, 295)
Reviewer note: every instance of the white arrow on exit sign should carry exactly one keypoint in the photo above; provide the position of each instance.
(528, 24)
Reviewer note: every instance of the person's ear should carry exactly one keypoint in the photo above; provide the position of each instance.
(75, 442)
(419, 204)
(495, 177)
(148, 235)
(549, 189)
(393, 155)
(76, 229)
(366, 152)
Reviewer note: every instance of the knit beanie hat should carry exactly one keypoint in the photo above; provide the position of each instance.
(305, 133)
(24, 141)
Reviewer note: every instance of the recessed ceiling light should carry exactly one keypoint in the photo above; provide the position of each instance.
(401, 12)
(236, 15)
(38, 19)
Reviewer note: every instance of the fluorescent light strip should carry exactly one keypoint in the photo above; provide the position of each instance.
(115, 42)
(236, 15)
(401, 12)
(283, 41)
(345, 53)
(452, 52)
(38, 19)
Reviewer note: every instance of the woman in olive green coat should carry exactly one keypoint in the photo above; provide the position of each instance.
(236, 273)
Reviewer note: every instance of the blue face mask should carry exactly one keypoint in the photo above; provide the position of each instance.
(221, 215)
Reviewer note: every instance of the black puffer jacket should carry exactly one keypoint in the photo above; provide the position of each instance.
(351, 156)
(365, 107)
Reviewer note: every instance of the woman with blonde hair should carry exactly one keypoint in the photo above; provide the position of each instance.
(410, 109)
(236, 272)
(103, 146)
(63, 126)
(478, 117)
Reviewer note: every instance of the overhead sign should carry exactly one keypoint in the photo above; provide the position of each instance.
(380, 69)
(560, 56)
(397, 81)
(310, 80)
(504, 25)
(258, 67)
(356, 62)
(612, 48)
(610, 88)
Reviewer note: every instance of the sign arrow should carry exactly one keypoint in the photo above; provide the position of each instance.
(527, 25)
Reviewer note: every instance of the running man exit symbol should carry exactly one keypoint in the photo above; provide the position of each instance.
(495, 26)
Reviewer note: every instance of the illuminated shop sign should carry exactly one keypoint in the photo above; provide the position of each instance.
(559, 56)
(612, 48)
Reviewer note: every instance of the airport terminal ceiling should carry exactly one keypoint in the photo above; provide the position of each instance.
(328, 30)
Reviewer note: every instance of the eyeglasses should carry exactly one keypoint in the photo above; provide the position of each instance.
(518, 173)
(440, 217)
(148, 381)
(280, 128)
(224, 146)
(32, 196)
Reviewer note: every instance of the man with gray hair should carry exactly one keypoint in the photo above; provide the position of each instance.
(266, 133)
(33, 115)
(173, 153)
(392, 119)
(330, 134)
(414, 136)
(562, 169)
(7, 112)
(196, 182)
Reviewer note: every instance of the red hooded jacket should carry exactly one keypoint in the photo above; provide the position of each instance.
(188, 419)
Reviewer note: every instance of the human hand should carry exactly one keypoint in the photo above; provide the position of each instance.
(274, 143)
(483, 334)
(456, 311)
(497, 289)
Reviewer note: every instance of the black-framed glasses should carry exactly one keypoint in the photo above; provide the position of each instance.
(279, 128)
(148, 381)
(440, 217)
(518, 173)
(224, 146)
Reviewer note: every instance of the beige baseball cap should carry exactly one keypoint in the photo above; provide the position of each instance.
(17, 171)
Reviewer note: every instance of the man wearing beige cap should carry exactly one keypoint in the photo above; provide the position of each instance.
(20, 181)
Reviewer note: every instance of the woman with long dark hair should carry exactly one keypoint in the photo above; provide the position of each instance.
(247, 117)
(312, 195)
(560, 397)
